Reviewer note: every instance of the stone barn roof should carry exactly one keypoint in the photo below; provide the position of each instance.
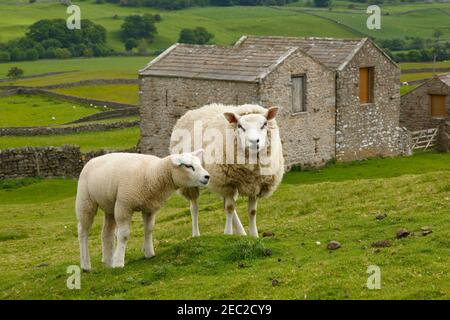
(446, 79)
(217, 62)
(329, 51)
(252, 58)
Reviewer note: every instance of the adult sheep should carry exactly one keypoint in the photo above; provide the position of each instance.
(121, 183)
(254, 133)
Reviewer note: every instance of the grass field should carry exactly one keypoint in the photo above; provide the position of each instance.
(116, 139)
(123, 93)
(85, 69)
(398, 20)
(227, 23)
(38, 240)
(35, 110)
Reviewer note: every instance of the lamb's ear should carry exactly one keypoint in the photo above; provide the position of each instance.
(176, 159)
(231, 117)
(198, 153)
(271, 113)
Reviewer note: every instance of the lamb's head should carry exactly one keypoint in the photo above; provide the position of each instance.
(252, 128)
(187, 170)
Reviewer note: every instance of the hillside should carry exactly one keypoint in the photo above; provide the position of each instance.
(309, 209)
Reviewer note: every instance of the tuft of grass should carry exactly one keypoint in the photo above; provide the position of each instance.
(247, 248)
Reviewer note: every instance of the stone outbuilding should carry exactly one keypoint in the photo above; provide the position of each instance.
(339, 98)
(426, 106)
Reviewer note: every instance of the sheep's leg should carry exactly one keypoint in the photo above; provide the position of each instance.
(109, 228)
(238, 228)
(85, 213)
(230, 206)
(149, 223)
(252, 201)
(194, 214)
(123, 220)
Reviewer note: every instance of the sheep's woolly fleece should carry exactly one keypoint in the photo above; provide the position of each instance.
(227, 178)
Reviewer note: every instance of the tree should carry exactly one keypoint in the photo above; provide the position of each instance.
(15, 72)
(139, 27)
(198, 35)
(5, 56)
(130, 43)
(322, 3)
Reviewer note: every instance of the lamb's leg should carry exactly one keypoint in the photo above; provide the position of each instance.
(252, 201)
(123, 220)
(149, 223)
(109, 227)
(86, 210)
(192, 195)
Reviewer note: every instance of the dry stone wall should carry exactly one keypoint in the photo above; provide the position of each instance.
(64, 161)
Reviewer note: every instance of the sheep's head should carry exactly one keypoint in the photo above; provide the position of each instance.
(188, 171)
(252, 128)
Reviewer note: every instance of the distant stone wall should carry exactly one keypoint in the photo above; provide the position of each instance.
(35, 131)
(110, 114)
(415, 110)
(367, 130)
(65, 161)
(101, 103)
(91, 82)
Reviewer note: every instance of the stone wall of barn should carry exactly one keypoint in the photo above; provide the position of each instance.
(64, 161)
(370, 129)
(415, 110)
(308, 137)
(165, 100)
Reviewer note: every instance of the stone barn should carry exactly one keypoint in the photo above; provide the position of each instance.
(426, 106)
(339, 98)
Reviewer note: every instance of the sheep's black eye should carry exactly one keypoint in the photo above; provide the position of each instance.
(241, 127)
(264, 125)
(188, 166)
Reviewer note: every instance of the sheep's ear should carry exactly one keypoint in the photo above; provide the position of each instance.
(177, 159)
(271, 113)
(198, 153)
(231, 117)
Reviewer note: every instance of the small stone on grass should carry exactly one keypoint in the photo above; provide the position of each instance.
(274, 282)
(333, 245)
(426, 230)
(268, 234)
(381, 216)
(402, 233)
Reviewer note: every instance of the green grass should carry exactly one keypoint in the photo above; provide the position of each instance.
(123, 93)
(406, 89)
(117, 139)
(86, 69)
(422, 65)
(339, 203)
(36, 110)
(418, 20)
(227, 23)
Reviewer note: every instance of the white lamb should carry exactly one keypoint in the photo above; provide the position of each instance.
(256, 132)
(121, 183)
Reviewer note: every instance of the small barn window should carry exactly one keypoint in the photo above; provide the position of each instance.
(298, 94)
(366, 85)
(438, 106)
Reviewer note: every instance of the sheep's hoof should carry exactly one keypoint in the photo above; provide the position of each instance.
(87, 270)
(118, 264)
